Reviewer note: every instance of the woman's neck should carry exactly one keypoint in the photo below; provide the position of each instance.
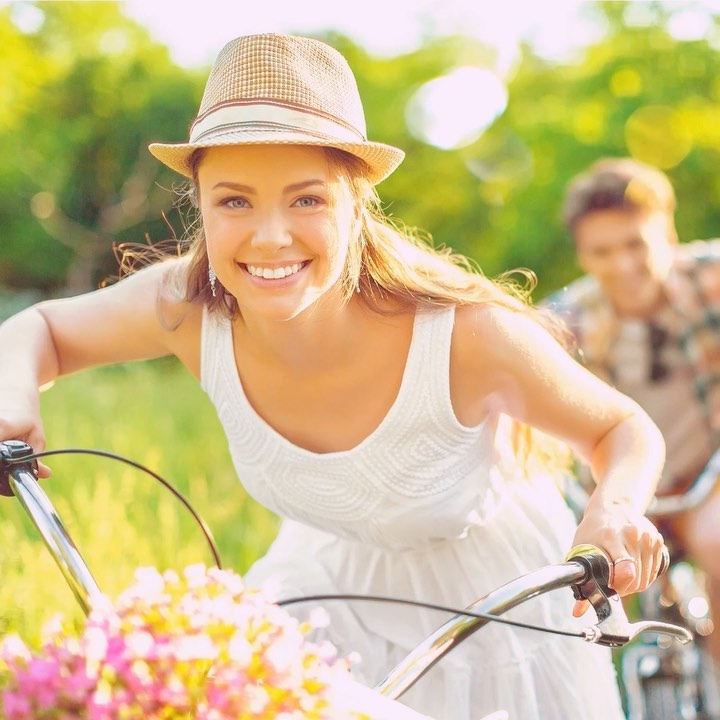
(320, 337)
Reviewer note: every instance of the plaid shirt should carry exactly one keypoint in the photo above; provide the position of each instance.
(692, 316)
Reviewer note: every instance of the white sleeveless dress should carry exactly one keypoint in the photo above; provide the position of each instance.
(423, 508)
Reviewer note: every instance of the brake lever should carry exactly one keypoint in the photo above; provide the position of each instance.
(613, 628)
(12, 453)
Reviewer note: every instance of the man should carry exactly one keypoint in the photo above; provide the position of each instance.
(646, 317)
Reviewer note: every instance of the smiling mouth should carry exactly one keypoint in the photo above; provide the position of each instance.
(275, 273)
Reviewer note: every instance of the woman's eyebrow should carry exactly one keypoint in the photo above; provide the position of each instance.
(295, 187)
(234, 186)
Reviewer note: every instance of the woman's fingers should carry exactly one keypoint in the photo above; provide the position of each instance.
(624, 574)
(633, 570)
(580, 608)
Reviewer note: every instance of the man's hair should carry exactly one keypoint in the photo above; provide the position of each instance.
(617, 183)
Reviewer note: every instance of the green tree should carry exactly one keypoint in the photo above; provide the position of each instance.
(76, 175)
(88, 90)
(638, 91)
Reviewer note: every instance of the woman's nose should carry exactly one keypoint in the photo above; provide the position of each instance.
(271, 233)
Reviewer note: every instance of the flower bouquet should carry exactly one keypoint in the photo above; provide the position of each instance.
(190, 645)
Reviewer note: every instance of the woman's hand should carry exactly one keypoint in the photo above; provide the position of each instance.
(20, 420)
(633, 544)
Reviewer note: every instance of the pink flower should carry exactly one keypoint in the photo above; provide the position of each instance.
(15, 706)
(175, 645)
(40, 681)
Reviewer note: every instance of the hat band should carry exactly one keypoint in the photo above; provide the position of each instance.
(232, 116)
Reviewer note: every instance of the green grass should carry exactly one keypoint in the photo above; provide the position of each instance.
(120, 518)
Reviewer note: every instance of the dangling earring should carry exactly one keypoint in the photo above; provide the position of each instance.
(212, 277)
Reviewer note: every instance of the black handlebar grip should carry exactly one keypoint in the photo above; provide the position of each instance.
(581, 551)
(12, 453)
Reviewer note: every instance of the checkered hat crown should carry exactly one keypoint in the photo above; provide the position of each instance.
(281, 89)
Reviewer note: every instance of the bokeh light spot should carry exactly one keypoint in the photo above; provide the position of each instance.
(26, 17)
(626, 82)
(42, 205)
(452, 111)
(656, 134)
(114, 42)
(690, 23)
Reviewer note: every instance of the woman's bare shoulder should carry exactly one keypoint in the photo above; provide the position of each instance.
(140, 316)
(495, 347)
(179, 319)
(490, 331)
(483, 357)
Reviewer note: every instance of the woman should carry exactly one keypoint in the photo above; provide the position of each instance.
(372, 390)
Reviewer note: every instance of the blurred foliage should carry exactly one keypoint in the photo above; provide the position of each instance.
(119, 517)
(89, 91)
(85, 92)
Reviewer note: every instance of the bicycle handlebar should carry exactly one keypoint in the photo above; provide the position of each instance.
(703, 485)
(18, 473)
(586, 571)
(20, 480)
(577, 495)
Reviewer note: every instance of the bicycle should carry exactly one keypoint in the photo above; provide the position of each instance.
(675, 682)
(661, 681)
(586, 571)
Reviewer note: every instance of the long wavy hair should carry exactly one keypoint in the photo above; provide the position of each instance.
(385, 260)
(388, 266)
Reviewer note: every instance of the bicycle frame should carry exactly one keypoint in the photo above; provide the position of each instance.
(675, 682)
(663, 682)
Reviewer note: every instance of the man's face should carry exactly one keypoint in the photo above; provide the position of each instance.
(629, 252)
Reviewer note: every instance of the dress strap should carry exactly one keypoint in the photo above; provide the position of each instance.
(428, 366)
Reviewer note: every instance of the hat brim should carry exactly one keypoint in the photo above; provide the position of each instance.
(381, 159)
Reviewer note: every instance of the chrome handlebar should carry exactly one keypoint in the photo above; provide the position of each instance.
(586, 571)
(703, 485)
(20, 479)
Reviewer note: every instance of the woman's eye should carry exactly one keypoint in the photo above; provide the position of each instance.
(307, 201)
(235, 202)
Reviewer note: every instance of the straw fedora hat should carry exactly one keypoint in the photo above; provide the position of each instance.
(281, 89)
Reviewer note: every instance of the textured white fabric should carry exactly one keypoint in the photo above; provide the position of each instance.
(423, 508)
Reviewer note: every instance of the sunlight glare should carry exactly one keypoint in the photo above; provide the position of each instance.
(381, 28)
(452, 111)
(690, 23)
(26, 18)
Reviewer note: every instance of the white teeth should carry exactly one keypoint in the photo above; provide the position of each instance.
(274, 273)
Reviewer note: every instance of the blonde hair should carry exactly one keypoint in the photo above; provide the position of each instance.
(390, 265)
(386, 260)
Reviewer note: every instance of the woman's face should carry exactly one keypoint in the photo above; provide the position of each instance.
(277, 223)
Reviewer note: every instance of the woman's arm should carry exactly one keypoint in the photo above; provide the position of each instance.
(505, 362)
(136, 318)
(130, 320)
